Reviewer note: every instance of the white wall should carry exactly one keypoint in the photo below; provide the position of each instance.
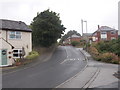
(25, 41)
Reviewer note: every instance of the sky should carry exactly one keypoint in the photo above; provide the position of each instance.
(95, 12)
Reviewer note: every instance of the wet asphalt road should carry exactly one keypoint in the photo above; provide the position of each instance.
(66, 62)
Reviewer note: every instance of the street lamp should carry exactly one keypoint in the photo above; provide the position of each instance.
(82, 25)
(86, 26)
(86, 32)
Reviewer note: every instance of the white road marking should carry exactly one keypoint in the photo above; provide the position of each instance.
(71, 59)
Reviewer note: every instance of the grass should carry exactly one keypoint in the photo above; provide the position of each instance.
(32, 55)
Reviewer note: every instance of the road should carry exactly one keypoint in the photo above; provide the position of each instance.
(65, 62)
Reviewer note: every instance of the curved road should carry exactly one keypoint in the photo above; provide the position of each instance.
(65, 62)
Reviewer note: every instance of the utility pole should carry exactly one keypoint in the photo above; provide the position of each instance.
(82, 26)
(86, 26)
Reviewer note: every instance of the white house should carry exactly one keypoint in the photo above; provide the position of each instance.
(15, 38)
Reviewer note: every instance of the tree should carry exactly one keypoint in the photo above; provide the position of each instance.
(69, 34)
(47, 28)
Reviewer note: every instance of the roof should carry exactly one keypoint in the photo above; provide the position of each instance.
(14, 25)
(87, 34)
(105, 28)
(75, 36)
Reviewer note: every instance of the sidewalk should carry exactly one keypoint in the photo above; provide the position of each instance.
(95, 75)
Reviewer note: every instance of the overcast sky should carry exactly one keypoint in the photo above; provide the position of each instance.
(96, 12)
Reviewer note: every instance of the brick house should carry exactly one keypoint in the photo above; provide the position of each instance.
(74, 37)
(15, 37)
(104, 33)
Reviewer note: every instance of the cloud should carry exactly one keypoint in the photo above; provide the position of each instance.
(102, 12)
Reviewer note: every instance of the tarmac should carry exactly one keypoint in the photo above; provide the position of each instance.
(94, 75)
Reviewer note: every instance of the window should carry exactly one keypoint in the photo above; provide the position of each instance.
(103, 38)
(103, 32)
(113, 32)
(103, 35)
(17, 53)
(113, 38)
(15, 35)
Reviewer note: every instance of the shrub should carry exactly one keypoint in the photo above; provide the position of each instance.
(32, 55)
(75, 43)
(93, 51)
(112, 46)
(109, 57)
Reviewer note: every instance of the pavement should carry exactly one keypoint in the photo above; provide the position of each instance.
(94, 75)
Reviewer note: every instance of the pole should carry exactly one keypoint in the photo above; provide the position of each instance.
(86, 26)
(82, 26)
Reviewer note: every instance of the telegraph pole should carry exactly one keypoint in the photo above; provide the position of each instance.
(86, 26)
(82, 26)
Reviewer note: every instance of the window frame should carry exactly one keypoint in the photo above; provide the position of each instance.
(104, 32)
(113, 38)
(19, 51)
(103, 35)
(112, 32)
(16, 35)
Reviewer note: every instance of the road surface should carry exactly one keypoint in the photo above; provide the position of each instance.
(65, 62)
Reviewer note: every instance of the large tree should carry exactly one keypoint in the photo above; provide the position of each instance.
(47, 28)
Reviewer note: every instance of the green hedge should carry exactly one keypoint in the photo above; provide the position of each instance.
(112, 46)
(75, 43)
(32, 55)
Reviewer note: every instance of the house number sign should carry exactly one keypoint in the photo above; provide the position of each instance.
(3, 52)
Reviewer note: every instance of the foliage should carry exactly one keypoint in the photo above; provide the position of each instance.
(47, 28)
(109, 46)
(93, 51)
(107, 57)
(75, 43)
(32, 55)
(106, 51)
(69, 34)
(82, 42)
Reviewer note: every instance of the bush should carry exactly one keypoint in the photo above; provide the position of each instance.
(109, 57)
(75, 43)
(112, 46)
(105, 57)
(32, 55)
(93, 51)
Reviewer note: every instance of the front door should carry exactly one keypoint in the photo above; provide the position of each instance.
(4, 56)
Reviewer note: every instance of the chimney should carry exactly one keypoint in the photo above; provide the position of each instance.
(20, 22)
(98, 27)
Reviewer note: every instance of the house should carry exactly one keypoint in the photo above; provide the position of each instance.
(15, 40)
(72, 38)
(104, 33)
(86, 36)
